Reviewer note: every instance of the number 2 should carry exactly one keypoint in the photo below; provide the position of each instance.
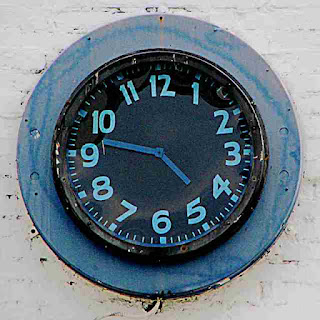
(225, 117)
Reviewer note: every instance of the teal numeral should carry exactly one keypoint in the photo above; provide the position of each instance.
(164, 92)
(219, 186)
(161, 223)
(131, 210)
(98, 121)
(223, 125)
(101, 188)
(193, 209)
(195, 87)
(233, 153)
(153, 86)
(92, 158)
(133, 91)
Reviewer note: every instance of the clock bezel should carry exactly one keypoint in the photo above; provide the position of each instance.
(216, 236)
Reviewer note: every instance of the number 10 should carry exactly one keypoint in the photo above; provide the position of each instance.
(98, 121)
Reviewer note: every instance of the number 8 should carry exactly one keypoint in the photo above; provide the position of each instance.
(98, 187)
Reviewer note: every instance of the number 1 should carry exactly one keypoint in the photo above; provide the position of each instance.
(195, 87)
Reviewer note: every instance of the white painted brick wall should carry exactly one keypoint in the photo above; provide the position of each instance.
(284, 284)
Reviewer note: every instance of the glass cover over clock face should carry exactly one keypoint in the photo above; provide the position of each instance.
(159, 153)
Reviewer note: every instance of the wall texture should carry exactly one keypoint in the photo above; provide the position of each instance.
(34, 284)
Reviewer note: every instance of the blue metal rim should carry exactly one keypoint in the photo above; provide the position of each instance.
(125, 37)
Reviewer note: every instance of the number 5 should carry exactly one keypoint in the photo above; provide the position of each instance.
(191, 209)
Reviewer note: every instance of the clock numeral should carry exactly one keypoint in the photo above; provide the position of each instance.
(99, 121)
(133, 91)
(90, 159)
(101, 188)
(161, 223)
(233, 153)
(195, 87)
(131, 210)
(225, 117)
(219, 186)
(153, 86)
(164, 92)
(192, 208)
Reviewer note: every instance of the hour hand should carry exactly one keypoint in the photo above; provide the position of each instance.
(175, 169)
(130, 146)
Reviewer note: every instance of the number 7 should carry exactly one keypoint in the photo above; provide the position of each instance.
(131, 210)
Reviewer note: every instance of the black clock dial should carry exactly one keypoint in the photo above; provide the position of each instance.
(159, 153)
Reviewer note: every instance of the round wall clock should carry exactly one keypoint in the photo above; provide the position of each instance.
(162, 148)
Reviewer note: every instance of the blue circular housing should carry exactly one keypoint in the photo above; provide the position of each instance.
(118, 272)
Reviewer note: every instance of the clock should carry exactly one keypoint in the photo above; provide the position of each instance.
(159, 153)
(162, 148)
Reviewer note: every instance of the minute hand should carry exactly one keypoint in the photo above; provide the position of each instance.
(129, 146)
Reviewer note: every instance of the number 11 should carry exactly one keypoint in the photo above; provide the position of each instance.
(133, 91)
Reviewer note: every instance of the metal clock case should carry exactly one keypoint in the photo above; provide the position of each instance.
(200, 118)
(176, 138)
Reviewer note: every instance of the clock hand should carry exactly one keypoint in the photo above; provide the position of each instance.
(131, 147)
(175, 169)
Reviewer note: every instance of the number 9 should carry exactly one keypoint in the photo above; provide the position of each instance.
(92, 158)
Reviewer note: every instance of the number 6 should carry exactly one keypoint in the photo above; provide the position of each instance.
(161, 216)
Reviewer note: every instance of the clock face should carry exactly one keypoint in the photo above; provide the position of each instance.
(159, 153)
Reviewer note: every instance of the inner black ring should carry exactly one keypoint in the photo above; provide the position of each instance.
(179, 59)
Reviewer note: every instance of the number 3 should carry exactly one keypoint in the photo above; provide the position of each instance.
(233, 153)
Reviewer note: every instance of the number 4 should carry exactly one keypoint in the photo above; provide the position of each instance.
(220, 186)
